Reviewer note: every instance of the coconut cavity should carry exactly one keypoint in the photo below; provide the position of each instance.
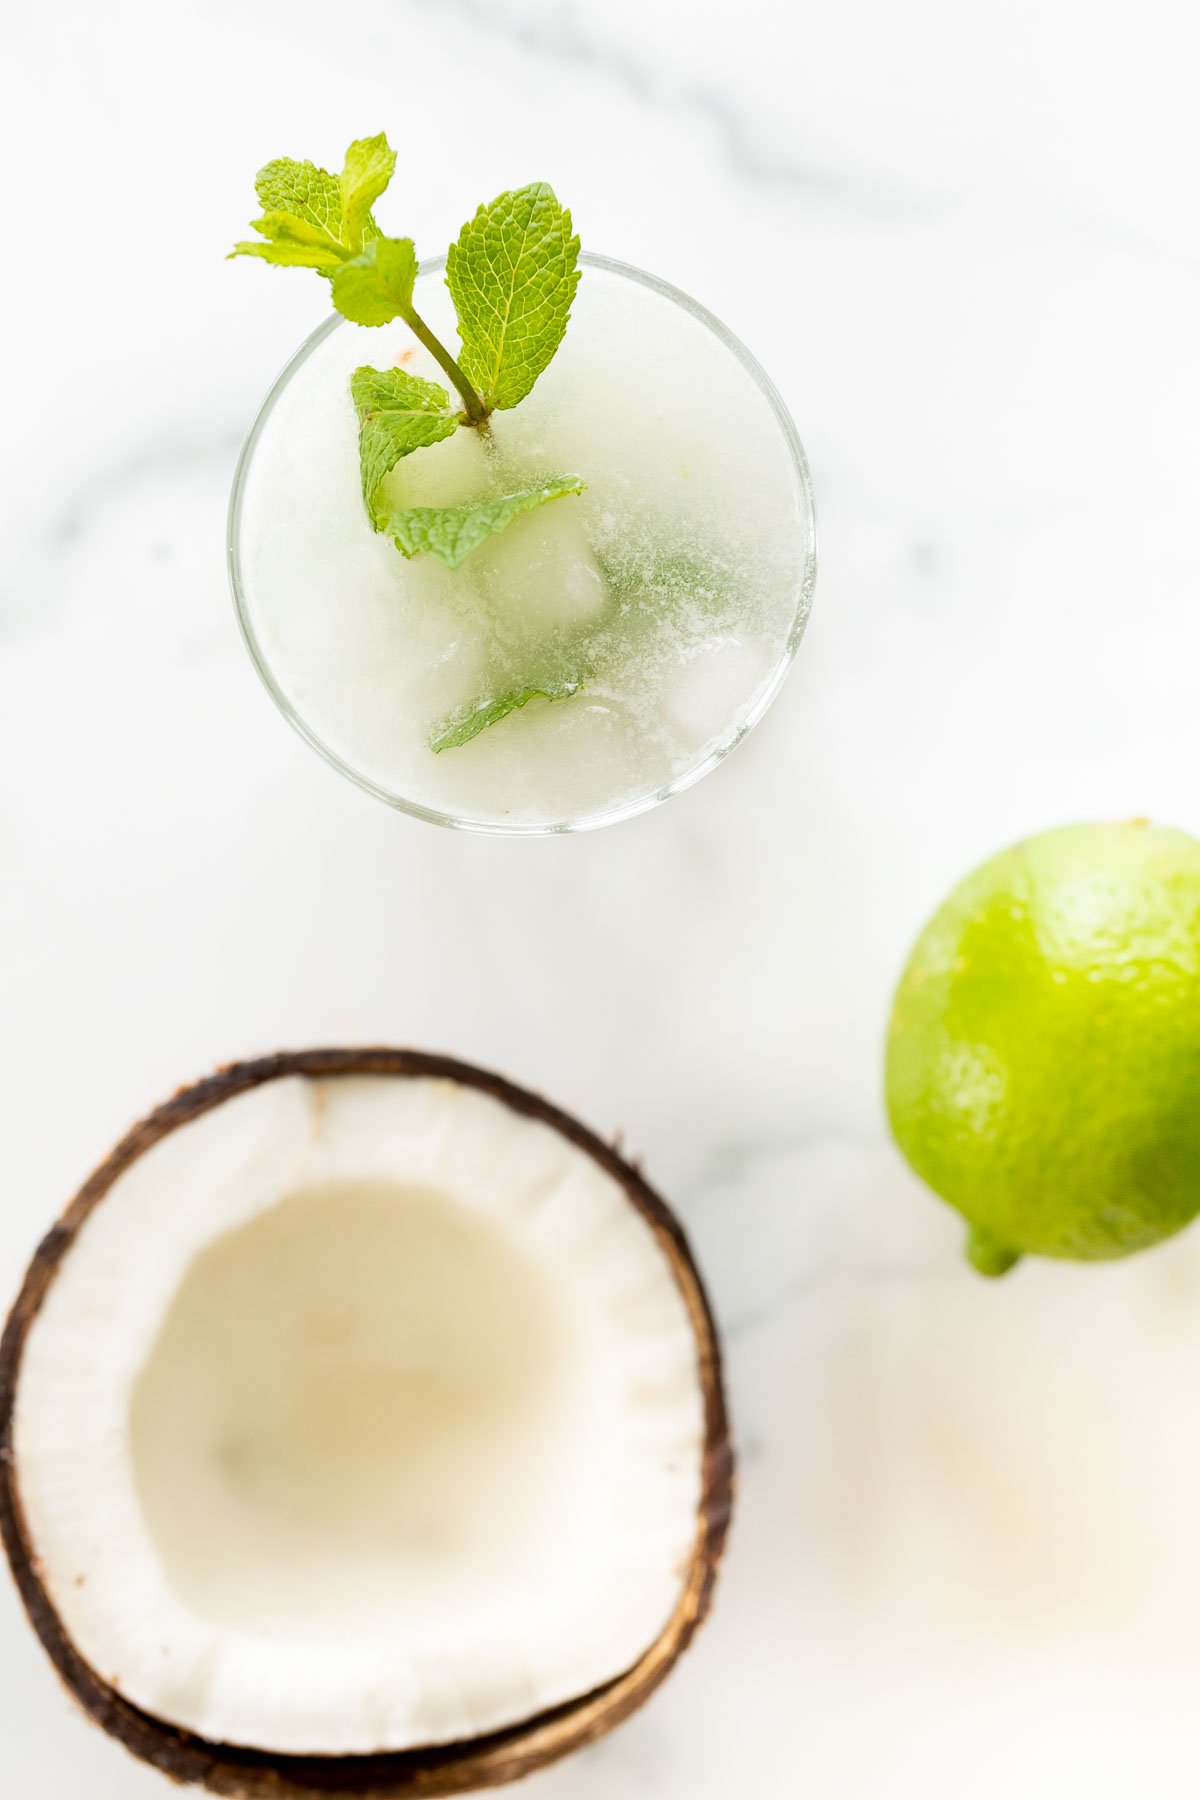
(359, 1409)
(367, 1414)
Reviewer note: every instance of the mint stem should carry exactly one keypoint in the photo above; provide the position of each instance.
(476, 411)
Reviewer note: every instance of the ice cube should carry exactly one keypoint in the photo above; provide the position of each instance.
(714, 687)
(540, 576)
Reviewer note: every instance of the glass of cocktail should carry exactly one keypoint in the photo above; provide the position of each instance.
(600, 652)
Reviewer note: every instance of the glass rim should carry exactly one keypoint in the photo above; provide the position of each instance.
(434, 265)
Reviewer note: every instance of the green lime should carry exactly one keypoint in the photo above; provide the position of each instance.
(1043, 1060)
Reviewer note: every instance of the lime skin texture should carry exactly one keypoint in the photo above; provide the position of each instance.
(1043, 1057)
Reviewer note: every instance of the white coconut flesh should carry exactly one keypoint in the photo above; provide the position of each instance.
(362, 1414)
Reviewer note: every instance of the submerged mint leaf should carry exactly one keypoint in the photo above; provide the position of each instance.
(397, 413)
(513, 275)
(369, 166)
(376, 285)
(451, 532)
(453, 733)
(307, 208)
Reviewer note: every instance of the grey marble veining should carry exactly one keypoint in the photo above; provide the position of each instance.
(559, 35)
(30, 602)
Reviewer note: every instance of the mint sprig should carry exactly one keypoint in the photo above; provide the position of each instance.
(512, 273)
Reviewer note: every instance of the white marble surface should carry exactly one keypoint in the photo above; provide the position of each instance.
(963, 241)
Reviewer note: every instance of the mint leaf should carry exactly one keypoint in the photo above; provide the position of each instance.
(316, 220)
(453, 733)
(397, 413)
(287, 250)
(451, 532)
(308, 194)
(513, 275)
(369, 166)
(377, 284)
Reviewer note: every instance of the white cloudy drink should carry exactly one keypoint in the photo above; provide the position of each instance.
(659, 606)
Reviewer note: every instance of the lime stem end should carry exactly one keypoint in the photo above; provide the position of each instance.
(986, 1256)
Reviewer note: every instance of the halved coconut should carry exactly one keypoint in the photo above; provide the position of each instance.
(361, 1431)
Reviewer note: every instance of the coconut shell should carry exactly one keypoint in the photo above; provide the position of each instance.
(454, 1768)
